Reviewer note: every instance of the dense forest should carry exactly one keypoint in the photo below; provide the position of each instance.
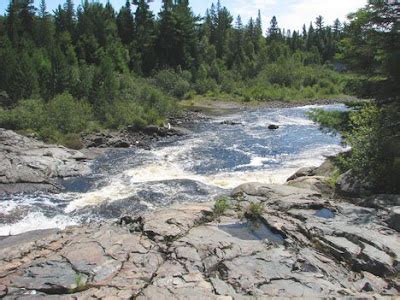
(90, 67)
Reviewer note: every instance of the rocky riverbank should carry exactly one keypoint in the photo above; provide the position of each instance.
(29, 165)
(264, 240)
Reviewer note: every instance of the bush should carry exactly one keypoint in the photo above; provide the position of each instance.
(172, 83)
(72, 141)
(204, 86)
(28, 114)
(331, 121)
(67, 115)
(220, 206)
(254, 211)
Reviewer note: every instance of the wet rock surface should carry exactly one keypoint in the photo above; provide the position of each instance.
(27, 164)
(313, 247)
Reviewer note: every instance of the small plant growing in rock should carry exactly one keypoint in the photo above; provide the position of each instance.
(80, 283)
(220, 206)
(332, 180)
(254, 211)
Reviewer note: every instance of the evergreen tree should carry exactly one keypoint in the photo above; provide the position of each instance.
(125, 23)
(274, 32)
(143, 56)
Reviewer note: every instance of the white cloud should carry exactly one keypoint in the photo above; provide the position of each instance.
(305, 11)
(292, 14)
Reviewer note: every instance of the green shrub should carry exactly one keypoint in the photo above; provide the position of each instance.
(331, 121)
(72, 141)
(67, 115)
(254, 211)
(172, 83)
(28, 114)
(220, 206)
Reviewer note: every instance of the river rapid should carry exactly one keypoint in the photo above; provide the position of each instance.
(199, 167)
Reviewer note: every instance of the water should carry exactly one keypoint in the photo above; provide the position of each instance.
(199, 167)
(252, 231)
(325, 213)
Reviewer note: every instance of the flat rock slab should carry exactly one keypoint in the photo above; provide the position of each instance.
(183, 252)
(25, 162)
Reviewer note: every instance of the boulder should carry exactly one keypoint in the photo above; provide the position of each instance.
(25, 160)
(230, 122)
(315, 183)
(394, 218)
(349, 185)
(308, 171)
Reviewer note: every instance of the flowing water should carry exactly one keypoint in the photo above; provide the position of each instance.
(198, 167)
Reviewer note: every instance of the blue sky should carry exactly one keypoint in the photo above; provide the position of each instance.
(291, 14)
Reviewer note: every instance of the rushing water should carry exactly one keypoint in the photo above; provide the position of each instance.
(199, 167)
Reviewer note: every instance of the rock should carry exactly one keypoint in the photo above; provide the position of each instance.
(3, 290)
(326, 169)
(230, 123)
(315, 183)
(273, 127)
(24, 160)
(118, 143)
(181, 252)
(309, 171)
(348, 185)
(394, 218)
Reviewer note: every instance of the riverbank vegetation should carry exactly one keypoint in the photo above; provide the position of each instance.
(371, 49)
(91, 67)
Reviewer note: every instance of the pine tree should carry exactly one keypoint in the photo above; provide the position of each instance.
(274, 32)
(143, 56)
(12, 21)
(167, 40)
(125, 23)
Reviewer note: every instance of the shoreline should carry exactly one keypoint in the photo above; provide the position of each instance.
(215, 106)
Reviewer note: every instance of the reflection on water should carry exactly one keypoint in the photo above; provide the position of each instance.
(325, 213)
(252, 231)
(211, 161)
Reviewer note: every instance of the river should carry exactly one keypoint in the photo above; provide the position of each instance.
(198, 167)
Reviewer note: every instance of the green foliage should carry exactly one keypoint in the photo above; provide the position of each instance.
(172, 83)
(61, 116)
(67, 115)
(331, 121)
(370, 131)
(220, 206)
(254, 211)
(364, 139)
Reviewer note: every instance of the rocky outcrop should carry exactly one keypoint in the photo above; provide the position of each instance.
(26, 161)
(131, 137)
(300, 245)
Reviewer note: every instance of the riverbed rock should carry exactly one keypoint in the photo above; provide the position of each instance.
(351, 186)
(28, 161)
(273, 127)
(394, 218)
(315, 183)
(230, 123)
(307, 171)
(324, 249)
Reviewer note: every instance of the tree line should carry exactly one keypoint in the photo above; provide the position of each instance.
(78, 49)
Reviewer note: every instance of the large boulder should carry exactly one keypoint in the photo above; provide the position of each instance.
(351, 186)
(315, 183)
(394, 218)
(308, 171)
(25, 160)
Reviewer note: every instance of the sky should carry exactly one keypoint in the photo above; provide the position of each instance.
(291, 14)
